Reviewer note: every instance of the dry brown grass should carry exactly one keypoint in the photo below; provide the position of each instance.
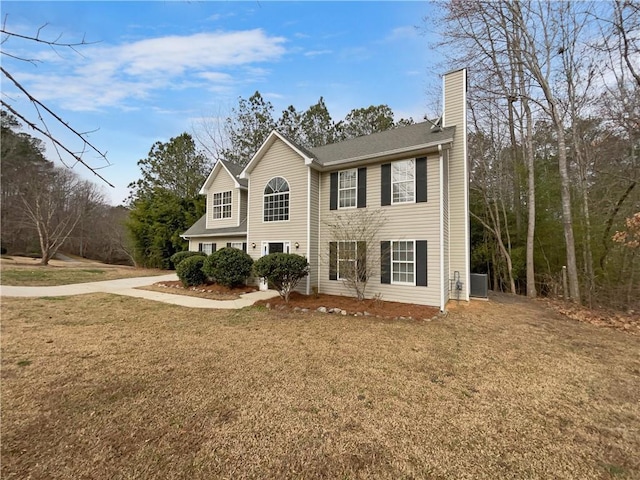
(23, 271)
(109, 387)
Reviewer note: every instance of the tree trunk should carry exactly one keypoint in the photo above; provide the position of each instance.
(565, 194)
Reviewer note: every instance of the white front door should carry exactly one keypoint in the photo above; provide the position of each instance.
(273, 247)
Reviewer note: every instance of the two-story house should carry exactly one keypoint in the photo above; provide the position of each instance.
(415, 176)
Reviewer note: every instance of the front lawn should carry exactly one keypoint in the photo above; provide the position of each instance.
(103, 386)
(21, 271)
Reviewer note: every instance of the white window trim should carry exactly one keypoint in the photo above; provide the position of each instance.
(338, 259)
(412, 284)
(221, 205)
(209, 250)
(236, 245)
(271, 194)
(286, 246)
(355, 205)
(413, 200)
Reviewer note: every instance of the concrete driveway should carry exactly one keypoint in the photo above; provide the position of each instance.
(127, 286)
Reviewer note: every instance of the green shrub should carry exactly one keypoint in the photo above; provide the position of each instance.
(228, 266)
(178, 257)
(282, 270)
(190, 271)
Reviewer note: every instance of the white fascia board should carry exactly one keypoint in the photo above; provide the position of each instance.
(265, 147)
(212, 175)
(203, 235)
(235, 180)
(209, 180)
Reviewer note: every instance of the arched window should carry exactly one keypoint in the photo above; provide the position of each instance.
(276, 200)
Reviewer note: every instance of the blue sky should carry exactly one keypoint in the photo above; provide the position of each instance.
(159, 68)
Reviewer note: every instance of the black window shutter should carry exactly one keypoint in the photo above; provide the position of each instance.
(362, 187)
(228, 244)
(385, 262)
(213, 247)
(199, 247)
(244, 247)
(386, 184)
(333, 195)
(361, 263)
(333, 261)
(421, 179)
(421, 263)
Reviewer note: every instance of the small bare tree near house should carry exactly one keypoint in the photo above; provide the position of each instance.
(353, 254)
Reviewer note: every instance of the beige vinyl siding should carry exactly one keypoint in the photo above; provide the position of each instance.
(219, 241)
(445, 223)
(454, 114)
(243, 204)
(223, 183)
(314, 217)
(279, 161)
(412, 221)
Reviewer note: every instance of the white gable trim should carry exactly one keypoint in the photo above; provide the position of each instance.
(212, 176)
(264, 148)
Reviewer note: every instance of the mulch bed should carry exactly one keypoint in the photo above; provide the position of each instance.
(336, 304)
(212, 291)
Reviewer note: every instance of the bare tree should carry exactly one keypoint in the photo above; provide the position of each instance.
(54, 203)
(353, 249)
(46, 120)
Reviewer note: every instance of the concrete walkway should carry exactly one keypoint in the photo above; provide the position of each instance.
(127, 286)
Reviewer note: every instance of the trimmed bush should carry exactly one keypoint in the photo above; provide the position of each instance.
(190, 271)
(228, 266)
(178, 257)
(282, 270)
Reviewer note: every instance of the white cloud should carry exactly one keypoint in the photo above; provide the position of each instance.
(110, 76)
(403, 33)
(217, 77)
(315, 53)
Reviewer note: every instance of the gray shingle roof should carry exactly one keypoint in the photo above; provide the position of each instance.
(382, 142)
(199, 229)
(235, 171)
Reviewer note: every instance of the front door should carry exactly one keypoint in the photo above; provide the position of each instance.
(273, 247)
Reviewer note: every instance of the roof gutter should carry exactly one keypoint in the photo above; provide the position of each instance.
(436, 146)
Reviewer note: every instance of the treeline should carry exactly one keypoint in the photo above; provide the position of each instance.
(240, 135)
(45, 208)
(165, 202)
(554, 144)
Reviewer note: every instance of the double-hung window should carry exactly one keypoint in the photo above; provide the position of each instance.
(403, 262)
(276, 200)
(403, 181)
(347, 252)
(222, 205)
(347, 188)
(207, 248)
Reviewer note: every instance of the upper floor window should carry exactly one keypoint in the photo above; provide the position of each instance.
(276, 200)
(403, 181)
(222, 205)
(347, 188)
